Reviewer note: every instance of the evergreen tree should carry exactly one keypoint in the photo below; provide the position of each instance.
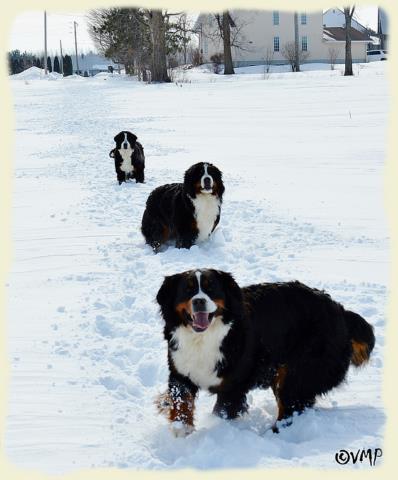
(14, 62)
(68, 68)
(49, 66)
(56, 65)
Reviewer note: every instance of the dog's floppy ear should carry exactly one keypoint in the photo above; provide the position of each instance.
(167, 292)
(189, 185)
(119, 137)
(131, 138)
(220, 184)
(233, 294)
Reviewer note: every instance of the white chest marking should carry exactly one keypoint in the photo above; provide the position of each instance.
(207, 208)
(197, 354)
(126, 165)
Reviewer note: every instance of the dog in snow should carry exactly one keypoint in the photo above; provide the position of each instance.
(185, 212)
(228, 340)
(129, 157)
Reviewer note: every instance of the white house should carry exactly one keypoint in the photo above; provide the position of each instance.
(262, 33)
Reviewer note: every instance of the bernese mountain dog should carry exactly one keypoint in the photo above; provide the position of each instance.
(129, 157)
(229, 340)
(186, 213)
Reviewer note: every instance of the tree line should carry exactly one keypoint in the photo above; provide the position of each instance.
(20, 61)
(146, 42)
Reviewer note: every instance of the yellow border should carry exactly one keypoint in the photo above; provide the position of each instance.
(8, 13)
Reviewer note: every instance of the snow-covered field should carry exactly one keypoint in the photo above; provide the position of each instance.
(303, 158)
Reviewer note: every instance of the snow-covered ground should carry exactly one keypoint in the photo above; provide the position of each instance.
(303, 158)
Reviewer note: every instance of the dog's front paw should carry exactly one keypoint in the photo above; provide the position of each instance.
(164, 404)
(180, 429)
(155, 247)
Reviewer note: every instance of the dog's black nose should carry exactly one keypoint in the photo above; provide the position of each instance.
(207, 183)
(125, 145)
(199, 304)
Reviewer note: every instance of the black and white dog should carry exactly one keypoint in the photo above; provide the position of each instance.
(129, 157)
(185, 212)
(229, 340)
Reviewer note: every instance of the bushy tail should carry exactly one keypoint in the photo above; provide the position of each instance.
(362, 338)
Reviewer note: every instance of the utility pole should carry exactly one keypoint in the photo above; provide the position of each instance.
(62, 57)
(45, 43)
(296, 44)
(77, 59)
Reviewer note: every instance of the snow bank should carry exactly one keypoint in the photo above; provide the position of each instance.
(32, 73)
(35, 73)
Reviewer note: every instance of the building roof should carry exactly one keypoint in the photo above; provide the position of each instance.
(338, 34)
(334, 17)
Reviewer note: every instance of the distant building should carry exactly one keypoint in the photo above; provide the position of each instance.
(263, 33)
(93, 63)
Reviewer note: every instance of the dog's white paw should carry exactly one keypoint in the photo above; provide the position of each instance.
(180, 429)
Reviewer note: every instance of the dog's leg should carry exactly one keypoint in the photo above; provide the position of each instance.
(139, 176)
(185, 232)
(230, 405)
(288, 400)
(178, 405)
(184, 240)
(121, 177)
(154, 232)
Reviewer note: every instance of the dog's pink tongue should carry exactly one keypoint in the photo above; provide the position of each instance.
(201, 319)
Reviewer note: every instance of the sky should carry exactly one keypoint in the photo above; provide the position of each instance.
(27, 30)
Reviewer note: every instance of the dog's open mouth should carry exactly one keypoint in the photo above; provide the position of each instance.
(201, 320)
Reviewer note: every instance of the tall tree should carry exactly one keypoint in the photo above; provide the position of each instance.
(56, 65)
(141, 39)
(49, 65)
(158, 35)
(348, 14)
(296, 44)
(123, 35)
(226, 35)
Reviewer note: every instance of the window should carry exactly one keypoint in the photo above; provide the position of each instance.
(303, 19)
(276, 44)
(304, 44)
(275, 17)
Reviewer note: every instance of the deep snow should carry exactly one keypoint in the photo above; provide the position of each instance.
(303, 158)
